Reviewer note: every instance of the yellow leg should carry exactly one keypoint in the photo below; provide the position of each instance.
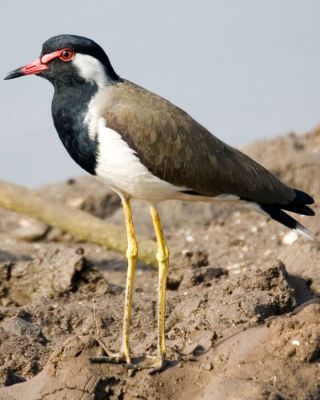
(132, 252)
(162, 258)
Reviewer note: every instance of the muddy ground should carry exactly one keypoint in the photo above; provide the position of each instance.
(243, 298)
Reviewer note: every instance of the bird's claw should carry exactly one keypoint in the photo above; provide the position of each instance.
(110, 357)
(117, 358)
(156, 365)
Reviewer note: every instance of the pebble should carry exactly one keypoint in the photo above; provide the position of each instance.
(235, 269)
(173, 281)
(30, 230)
(291, 352)
(289, 238)
(79, 251)
(20, 327)
(76, 202)
(189, 238)
(207, 366)
(54, 234)
(186, 253)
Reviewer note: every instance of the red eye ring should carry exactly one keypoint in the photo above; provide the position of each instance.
(66, 54)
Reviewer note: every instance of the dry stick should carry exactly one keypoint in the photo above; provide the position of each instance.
(79, 224)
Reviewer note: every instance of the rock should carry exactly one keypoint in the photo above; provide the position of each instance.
(52, 274)
(199, 275)
(21, 327)
(86, 193)
(8, 377)
(173, 281)
(289, 237)
(208, 366)
(30, 230)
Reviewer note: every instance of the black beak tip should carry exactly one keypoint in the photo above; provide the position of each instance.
(13, 74)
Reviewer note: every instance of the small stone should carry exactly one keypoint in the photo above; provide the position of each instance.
(189, 238)
(21, 327)
(254, 229)
(54, 234)
(291, 352)
(30, 230)
(207, 366)
(289, 238)
(173, 281)
(77, 202)
(66, 270)
(79, 251)
(213, 338)
(186, 253)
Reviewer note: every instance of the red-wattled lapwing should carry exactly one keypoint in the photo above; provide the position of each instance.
(146, 148)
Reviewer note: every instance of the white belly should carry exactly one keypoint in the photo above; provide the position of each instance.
(119, 166)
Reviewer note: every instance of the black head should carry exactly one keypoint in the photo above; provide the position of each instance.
(68, 60)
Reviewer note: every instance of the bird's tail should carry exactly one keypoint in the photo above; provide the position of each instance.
(298, 205)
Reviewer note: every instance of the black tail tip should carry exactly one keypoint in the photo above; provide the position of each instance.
(302, 197)
(276, 213)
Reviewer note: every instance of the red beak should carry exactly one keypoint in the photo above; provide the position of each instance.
(34, 68)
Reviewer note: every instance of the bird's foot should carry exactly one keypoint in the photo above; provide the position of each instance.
(110, 357)
(160, 363)
(114, 358)
(154, 364)
(157, 365)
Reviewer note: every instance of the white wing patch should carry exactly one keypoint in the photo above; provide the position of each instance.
(118, 165)
(121, 169)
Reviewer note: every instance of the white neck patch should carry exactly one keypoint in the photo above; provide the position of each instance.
(90, 69)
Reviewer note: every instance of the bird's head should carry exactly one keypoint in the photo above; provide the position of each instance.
(69, 60)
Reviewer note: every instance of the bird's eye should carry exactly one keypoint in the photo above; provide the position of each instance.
(66, 55)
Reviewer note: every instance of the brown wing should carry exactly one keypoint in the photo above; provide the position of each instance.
(177, 149)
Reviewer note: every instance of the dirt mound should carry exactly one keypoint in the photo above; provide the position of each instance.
(217, 325)
(243, 303)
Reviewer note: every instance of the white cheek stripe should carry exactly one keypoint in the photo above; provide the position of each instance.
(90, 69)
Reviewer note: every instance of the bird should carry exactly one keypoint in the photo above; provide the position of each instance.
(146, 148)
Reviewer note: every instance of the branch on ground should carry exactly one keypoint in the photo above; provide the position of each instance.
(81, 225)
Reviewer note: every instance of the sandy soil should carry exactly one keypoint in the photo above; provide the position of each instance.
(243, 305)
